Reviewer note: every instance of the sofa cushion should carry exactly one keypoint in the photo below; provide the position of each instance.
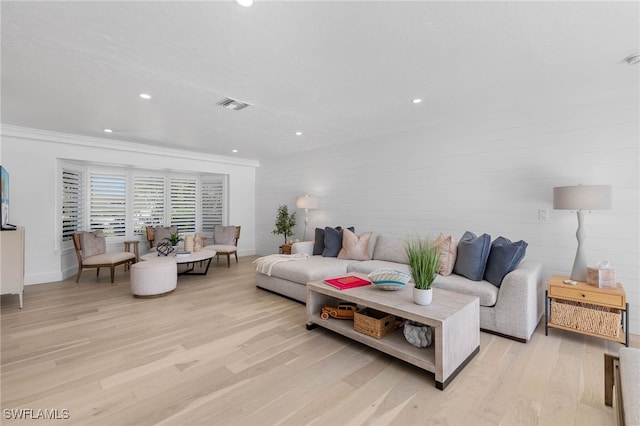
(391, 249)
(486, 292)
(333, 241)
(368, 266)
(108, 258)
(504, 257)
(93, 243)
(355, 247)
(448, 247)
(472, 255)
(372, 244)
(314, 268)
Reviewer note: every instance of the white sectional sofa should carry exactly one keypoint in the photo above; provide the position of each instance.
(513, 310)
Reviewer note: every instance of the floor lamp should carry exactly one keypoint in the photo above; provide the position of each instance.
(581, 198)
(307, 203)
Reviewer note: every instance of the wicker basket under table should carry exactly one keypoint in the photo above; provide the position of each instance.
(586, 317)
(373, 323)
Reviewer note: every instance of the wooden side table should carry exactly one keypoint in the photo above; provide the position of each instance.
(600, 303)
(127, 247)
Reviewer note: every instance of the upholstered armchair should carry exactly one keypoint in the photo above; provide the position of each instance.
(91, 251)
(225, 242)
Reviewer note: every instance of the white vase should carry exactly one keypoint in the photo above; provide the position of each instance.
(422, 297)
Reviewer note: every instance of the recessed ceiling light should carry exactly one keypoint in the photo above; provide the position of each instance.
(108, 130)
(234, 150)
(298, 133)
(416, 100)
(244, 3)
(145, 96)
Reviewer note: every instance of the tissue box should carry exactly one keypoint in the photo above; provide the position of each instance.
(601, 278)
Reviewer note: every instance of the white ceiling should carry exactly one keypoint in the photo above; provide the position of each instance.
(337, 71)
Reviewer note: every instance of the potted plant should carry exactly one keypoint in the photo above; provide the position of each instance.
(285, 222)
(174, 239)
(423, 260)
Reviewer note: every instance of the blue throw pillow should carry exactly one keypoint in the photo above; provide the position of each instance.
(472, 255)
(504, 257)
(318, 241)
(333, 241)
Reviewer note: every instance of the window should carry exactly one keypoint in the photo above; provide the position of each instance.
(148, 202)
(212, 205)
(72, 202)
(183, 204)
(108, 204)
(123, 201)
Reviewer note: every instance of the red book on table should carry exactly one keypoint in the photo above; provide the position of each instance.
(343, 283)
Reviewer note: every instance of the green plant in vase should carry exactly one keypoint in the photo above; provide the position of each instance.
(285, 222)
(174, 239)
(424, 258)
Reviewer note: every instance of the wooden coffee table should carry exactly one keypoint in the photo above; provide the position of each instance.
(204, 255)
(454, 317)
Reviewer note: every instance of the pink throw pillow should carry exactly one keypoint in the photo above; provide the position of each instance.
(355, 247)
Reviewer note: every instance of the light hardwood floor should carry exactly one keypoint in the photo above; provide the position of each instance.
(219, 351)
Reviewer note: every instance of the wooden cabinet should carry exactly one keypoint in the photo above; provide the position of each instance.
(12, 262)
(587, 309)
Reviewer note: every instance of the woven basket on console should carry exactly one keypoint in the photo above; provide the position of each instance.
(586, 317)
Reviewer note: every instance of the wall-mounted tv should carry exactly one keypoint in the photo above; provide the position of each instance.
(4, 194)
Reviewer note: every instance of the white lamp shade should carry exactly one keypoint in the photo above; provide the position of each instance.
(582, 197)
(307, 202)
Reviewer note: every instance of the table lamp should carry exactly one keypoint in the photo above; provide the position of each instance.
(581, 198)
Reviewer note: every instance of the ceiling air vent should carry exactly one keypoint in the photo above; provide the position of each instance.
(233, 104)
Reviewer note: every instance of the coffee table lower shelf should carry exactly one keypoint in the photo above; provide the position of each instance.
(444, 357)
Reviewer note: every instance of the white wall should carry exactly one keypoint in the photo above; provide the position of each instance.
(31, 157)
(489, 175)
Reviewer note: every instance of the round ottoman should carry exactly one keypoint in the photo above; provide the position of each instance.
(152, 278)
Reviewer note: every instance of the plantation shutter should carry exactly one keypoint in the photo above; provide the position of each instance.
(212, 205)
(148, 202)
(107, 204)
(183, 203)
(72, 203)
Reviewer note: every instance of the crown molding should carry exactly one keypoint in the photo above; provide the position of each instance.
(113, 144)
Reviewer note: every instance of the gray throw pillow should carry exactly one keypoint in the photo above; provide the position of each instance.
(472, 255)
(318, 241)
(504, 257)
(224, 235)
(93, 243)
(333, 241)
